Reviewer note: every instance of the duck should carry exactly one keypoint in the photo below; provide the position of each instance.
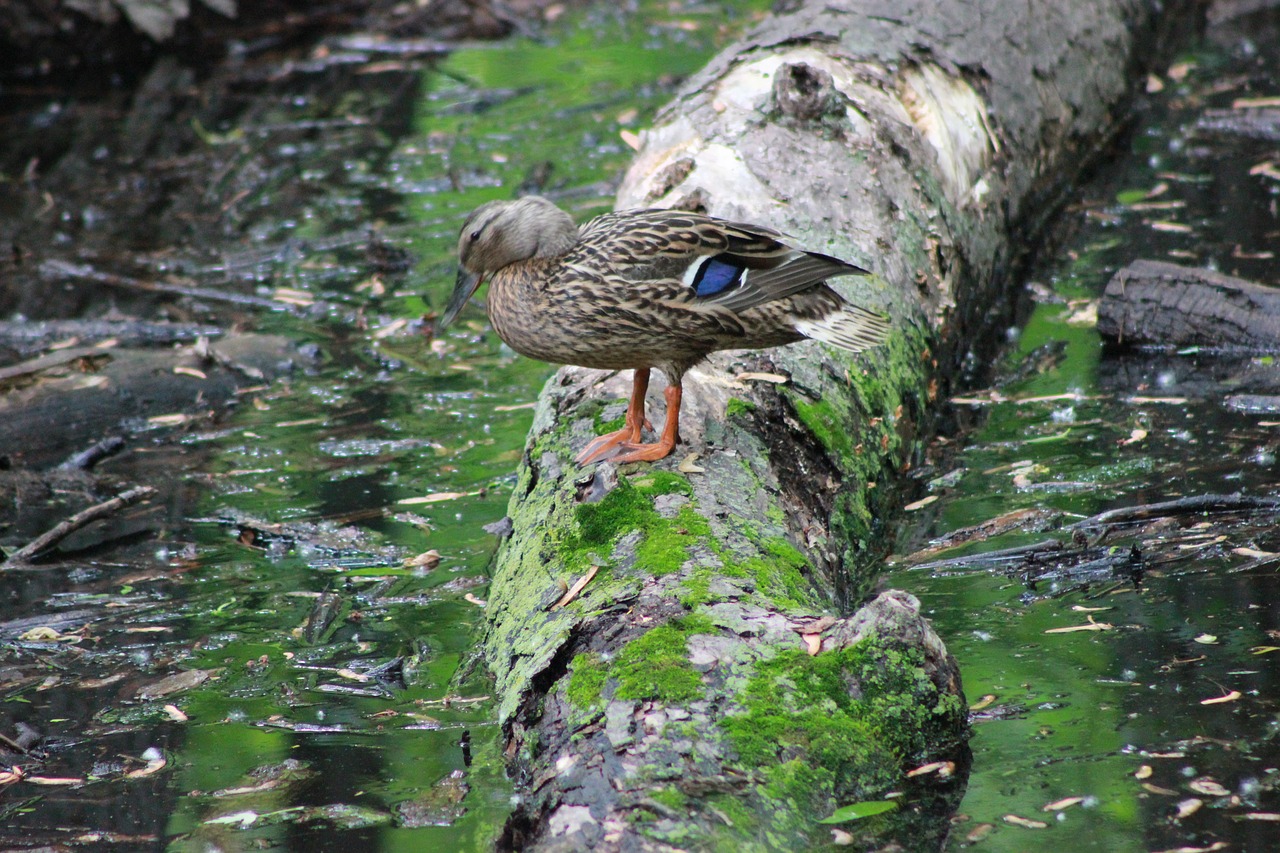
(648, 289)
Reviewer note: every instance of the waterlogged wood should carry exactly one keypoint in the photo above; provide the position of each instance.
(1161, 304)
(56, 404)
(676, 702)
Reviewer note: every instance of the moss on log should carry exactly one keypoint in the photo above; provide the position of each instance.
(709, 688)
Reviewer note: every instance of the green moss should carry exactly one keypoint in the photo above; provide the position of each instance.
(857, 714)
(671, 798)
(697, 589)
(737, 407)
(586, 679)
(656, 665)
(629, 507)
(826, 424)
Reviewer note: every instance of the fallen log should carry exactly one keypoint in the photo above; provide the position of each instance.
(709, 687)
(1153, 303)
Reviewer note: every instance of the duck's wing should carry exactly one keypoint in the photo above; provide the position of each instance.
(730, 265)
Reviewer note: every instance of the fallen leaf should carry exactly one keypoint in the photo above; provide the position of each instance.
(857, 811)
(1207, 639)
(434, 499)
(979, 832)
(1143, 772)
(920, 504)
(1134, 437)
(1169, 227)
(1255, 103)
(983, 702)
(1065, 803)
(631, 138)
(1187, 808)
(1209, 788)
(190, 371)
(813, 643)
(174, 713)
(775, 378)
(515, 407)
(686, 465)
(1156, 789)
(478, 602)
(1026, 823)
(174, 683)
(154, 765)
(944, 769)
(425, 560)
(576, 588)
(54, 780)
(1092, 626)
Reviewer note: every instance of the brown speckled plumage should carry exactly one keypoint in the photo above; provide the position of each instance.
(644, 289)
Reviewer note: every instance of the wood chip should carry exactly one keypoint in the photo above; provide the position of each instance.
(1271, 816)
(515, 407)
(1143, 772)
(813, 643)
(920, 504)
(175, 713)
(471, 597)
(190, 371)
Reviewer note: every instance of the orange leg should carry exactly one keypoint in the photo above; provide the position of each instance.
(670, 432)
(605, 446)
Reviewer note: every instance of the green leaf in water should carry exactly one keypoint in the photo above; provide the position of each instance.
(1130, 196)
(857, 811)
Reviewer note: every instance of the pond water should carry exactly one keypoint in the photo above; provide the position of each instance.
(280, 576)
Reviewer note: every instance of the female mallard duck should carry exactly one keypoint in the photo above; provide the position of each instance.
(647, 288)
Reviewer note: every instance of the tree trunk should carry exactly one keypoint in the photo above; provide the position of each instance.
(703, 690)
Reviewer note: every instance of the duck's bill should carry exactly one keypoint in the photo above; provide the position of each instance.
(466, 286)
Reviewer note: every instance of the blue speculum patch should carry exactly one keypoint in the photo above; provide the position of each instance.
(716, 276)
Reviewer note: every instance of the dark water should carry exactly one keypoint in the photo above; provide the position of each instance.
(1081, 714)
(390, 444)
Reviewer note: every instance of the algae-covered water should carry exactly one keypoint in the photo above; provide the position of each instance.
(328, 719)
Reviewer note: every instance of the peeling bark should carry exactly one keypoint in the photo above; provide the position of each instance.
(704, 690)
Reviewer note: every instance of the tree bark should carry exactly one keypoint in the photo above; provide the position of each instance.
(705, 690)
(1161, 304)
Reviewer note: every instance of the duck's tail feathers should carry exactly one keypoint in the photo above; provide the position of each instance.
(852, 328)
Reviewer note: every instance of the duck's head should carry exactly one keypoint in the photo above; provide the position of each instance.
(500, 233)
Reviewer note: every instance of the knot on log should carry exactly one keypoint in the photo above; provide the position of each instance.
(805, 93)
